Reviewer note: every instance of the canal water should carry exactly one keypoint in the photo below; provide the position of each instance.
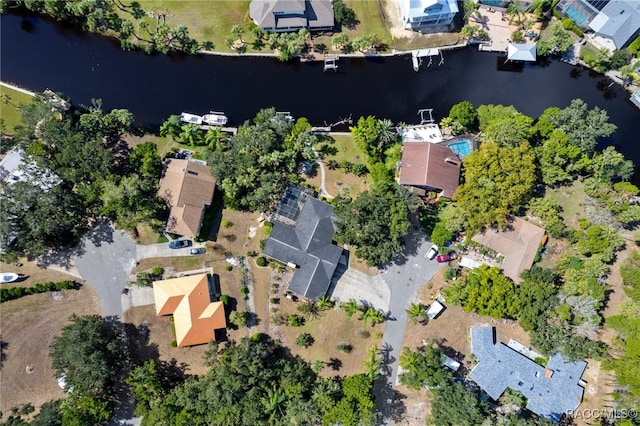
(38, 54)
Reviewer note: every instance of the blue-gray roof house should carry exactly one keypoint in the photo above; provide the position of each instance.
(550, 391)
(617, 23)
(308, 247)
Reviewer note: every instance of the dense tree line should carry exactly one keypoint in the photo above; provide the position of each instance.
(253, 382)
(261, 160)
(84, 170)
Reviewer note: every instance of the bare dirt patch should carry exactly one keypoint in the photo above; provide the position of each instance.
(331, 328)
(29, 325)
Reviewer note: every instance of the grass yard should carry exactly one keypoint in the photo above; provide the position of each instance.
(29, 325)
(207, 21)
(571, 199)
(9, 111)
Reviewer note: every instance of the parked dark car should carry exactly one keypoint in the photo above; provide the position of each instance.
(176, 244)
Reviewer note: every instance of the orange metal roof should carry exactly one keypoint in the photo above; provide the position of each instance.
(188, 299)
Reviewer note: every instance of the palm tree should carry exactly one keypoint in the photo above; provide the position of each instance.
(237, 32)
(415, 311)
(470, 8)
(387, 131)
(408, 358)
(351, 307)
(212, 138)
(190, 134)
(324, 303)
(171, 127)
(308, 308)
(272, 403)
(514, 13)
(373, 315)
(372, 363)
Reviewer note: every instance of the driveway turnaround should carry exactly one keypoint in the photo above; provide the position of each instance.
(363, 288)
(105, 264)
(404, 276)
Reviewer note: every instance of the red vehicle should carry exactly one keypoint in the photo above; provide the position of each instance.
(441, 258)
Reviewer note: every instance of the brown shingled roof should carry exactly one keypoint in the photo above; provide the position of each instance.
(518, 245)
(188, 299)
(187, 187)
(426, 164)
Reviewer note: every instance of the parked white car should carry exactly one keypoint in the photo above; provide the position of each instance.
(432, 252)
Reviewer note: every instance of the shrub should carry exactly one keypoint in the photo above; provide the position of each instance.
(296, 320)
(174, 344)
(278, 318)
(268, 227)
(157, 271)
(252, 253)
(224, 299)
(344, 347)
(239, 318)
(274, 300)
(245, 292)
(262, 244)
(261, 261)
(450, 273)
(228, 267)
(305, 340)
(226, 224)
(144, 279)
(364, 333)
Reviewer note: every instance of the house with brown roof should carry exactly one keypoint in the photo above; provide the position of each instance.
(187, 187)
(518, 244)
(190, 300)
(428, 167)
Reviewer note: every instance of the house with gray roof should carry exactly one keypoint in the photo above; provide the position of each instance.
(550, 391)
(617, 23)
(307, 246)
(292, 15)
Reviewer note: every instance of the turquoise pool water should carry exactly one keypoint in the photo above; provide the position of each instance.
(462, 148)
(575, 15)
(497, 3)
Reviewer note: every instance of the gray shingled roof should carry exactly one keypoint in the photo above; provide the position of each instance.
(308, 246)
(274, 15)
(500, 367)
(618, 20)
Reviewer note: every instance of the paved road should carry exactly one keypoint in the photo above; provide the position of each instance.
(404, 277)
(105, 263)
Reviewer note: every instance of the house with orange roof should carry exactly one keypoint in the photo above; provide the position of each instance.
(187, 187)
(190, 299)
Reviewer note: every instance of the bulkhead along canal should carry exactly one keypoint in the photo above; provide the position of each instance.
(38, 54)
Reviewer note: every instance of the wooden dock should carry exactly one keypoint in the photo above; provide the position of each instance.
(232, 130)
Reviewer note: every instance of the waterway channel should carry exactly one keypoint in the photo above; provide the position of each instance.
(38, 54)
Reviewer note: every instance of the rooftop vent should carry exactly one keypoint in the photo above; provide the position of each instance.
(451, 161)
(548, 373)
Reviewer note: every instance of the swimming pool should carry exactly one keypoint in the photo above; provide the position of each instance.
(575, 15)
(462, 148)
(496, 3)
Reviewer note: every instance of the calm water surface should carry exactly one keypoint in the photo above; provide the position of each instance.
(37, 54)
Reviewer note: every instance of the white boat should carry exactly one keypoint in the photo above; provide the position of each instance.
(8, 277)
(190, 118)
(286, 115)
(215, 118)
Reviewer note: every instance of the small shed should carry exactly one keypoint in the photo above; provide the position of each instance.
(467, 262)
(435, 309)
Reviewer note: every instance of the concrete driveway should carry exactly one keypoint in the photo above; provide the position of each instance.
(363, 288)
(404, 276)
(105, 264)
(163, 250)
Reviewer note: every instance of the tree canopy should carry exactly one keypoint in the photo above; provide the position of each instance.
(261, 160)
(498, 181)
(257, 382)
(86, 355)
(376, 222)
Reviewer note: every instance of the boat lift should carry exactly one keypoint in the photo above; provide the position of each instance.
(417, 55)
(330, 63)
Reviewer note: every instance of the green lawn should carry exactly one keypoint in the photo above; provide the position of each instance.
(345, 146)
(207, 20)
(211, 21)
(571, 199)
(9, 111)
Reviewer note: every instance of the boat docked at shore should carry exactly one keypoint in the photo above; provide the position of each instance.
(8, 277)
(213, 118)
